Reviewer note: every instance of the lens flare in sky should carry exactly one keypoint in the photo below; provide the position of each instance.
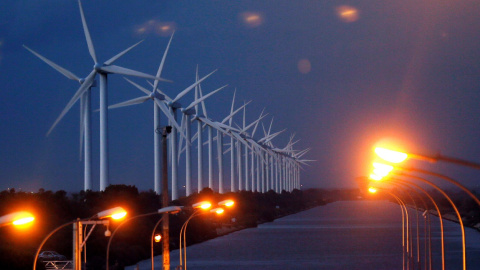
(154, 27)
(347, 14)
(304, 66)
(252, 19)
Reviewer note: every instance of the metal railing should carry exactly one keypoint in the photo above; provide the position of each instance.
(66, 265)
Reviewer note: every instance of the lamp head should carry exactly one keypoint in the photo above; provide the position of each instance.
(170, 209)
(372, 190)
(390, 155)
(17, 218)
(217, 211)
(114, 213)
(202, 205)
(227, 203)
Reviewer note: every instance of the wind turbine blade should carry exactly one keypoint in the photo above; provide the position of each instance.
(130, 72)
(184, 92)
(244, 111)
(227, 127)
(253, 123)
(58, 68)
(270, 128)
(231, 108)
(129, 102)
(256, 125)
(113, 59)
(271, 137)
(84, 87)
(138, 86)
(204, 97)
(160, 68)
(159, 91)
(204, 109)
(183, 127)
(233, 113)
(91, 49)
(213, 124)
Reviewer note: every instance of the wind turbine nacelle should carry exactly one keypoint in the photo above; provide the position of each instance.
(156, 95)
(175, 105)
(190, 111)
(98, 67)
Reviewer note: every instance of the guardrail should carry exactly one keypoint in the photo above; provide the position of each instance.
(66, 265)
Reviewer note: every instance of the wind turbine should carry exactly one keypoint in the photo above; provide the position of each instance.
(160, 101)
(245, 139)
(102, 69)
(159, 104)
(85, 118)
(186, 123)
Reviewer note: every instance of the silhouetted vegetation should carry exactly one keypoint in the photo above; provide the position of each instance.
(132, 241)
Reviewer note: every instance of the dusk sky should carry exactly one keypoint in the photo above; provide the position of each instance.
(341, 75)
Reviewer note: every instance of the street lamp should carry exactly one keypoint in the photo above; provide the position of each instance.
(168, 210)
(459, 217)
(165, 211)
(199, 206)
(203, 205)
(428, 244)
(397, 157)
(183, 230)
(114, 213)
(404, 211)
(16, 219)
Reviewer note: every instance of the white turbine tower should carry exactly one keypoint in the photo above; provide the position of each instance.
(248, 139)
(186, 123)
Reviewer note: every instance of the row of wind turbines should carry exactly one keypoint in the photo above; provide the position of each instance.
(255, 164)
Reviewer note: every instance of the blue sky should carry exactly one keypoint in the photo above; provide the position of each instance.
(407, 70)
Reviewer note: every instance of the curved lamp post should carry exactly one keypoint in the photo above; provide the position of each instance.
(404, 211)
(417, 221)
(382, 170)
(169, 209)
(385, 170)
(199, 206)
(166, 210)
(114, 213)
(428, 244)
(203, 205)
(439, 217)
(464, 253)
(16, 219)
(183, 230)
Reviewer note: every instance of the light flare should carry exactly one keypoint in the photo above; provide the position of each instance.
(120, 215)
(23, 221)
(227, 203)
(372, 190)
(252, 19)
(304, 66)
(390, 155)
(218, 211)
(347, 14)
(375, 177)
